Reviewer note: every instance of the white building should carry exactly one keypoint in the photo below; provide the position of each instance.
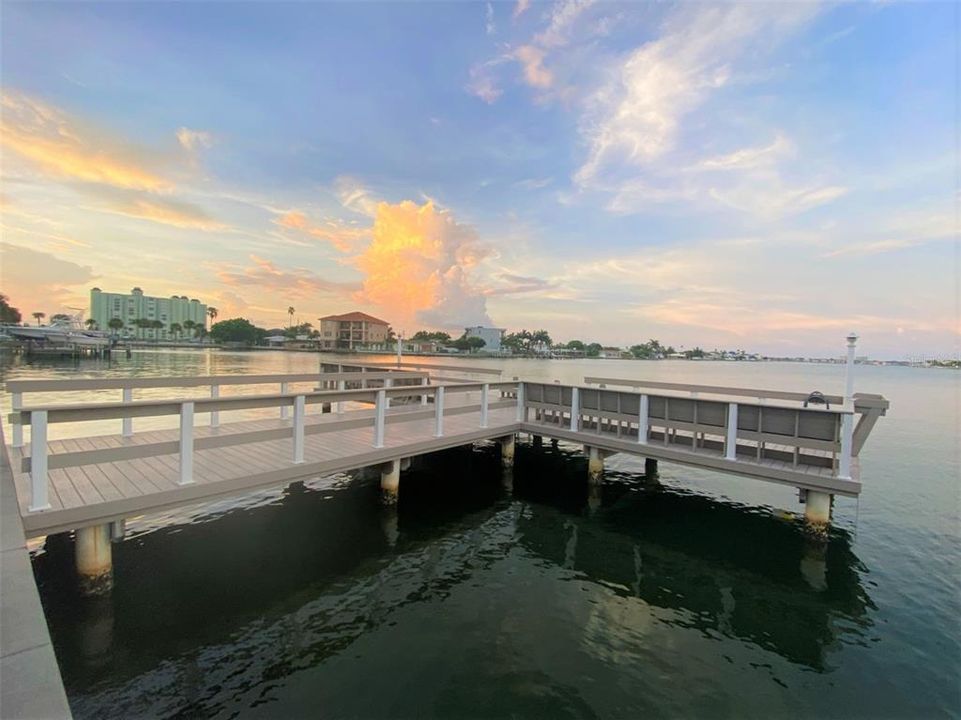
(129, 308)
(491, 336)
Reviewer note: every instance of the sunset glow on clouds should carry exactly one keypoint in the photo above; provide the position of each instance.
(750, 175)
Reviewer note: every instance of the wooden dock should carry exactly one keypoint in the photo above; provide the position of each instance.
(348, 418)
(68, 483)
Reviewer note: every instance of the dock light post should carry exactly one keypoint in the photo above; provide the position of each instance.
(852, 339)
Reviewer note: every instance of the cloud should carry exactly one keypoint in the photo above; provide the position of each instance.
(296, 282)
(751, 157)
(511, 284)
(520, 8)
(165, 211)
(39, 281)
(355, 196)
(61, 146)
(194, 140)
(564, 16)
(531, 55)
(489, 27)
(418, 266)
(907, 230)
(531, 59)
(482, 83)
(636, 116)
(344, 238)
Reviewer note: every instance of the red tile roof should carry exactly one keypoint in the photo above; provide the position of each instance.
(356, 317)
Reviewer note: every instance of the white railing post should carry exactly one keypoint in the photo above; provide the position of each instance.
(575, 408)
(341, 386)
(299, 411)
(38, 461)
(439, 412)
(730, 445)
(389, 382)
(379, 413)
(521, 403)
(186, 443)
(642, 421)
(284, 410)
(214, 414)
(484, 404)
(847, 441)
(127, 422)
(424, 381)
(16, 402)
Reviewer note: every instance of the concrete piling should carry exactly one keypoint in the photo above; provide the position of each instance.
(94, 559)
(390, 482)
(507, 451)
(817, 512)
(537, 440)
(650, 467)
(595, 465)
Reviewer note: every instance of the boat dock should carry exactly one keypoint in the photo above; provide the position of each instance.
(212, 437)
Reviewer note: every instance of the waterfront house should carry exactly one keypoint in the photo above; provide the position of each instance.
(352, 331)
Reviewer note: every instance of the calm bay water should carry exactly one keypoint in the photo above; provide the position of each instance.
(527, 596)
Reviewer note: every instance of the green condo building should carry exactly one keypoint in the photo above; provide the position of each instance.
(136, 310)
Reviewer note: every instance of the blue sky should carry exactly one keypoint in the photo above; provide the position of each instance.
(765, 176)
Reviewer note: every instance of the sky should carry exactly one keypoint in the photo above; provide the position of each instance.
(757, 176)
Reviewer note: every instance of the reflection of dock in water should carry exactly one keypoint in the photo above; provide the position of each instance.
(726, 569)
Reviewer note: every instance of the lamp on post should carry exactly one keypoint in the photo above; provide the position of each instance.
(852, 339)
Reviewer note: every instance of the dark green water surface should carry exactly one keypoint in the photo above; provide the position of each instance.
(527, 594)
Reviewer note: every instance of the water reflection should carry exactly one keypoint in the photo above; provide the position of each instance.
(224, 615)
(735, 570)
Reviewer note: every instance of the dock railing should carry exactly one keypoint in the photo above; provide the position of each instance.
(361, 379)
(869, 407)
(736, 429)
(40, 461)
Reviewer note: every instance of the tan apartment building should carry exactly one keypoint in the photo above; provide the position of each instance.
(352, 331)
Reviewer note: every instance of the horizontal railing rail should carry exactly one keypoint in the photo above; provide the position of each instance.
(382, 364)
(709, 389)
(34, 386)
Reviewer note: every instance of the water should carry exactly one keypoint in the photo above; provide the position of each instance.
(695, 597)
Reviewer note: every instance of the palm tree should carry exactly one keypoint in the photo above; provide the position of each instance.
(290, 314)
(156, 325)
(212, 313)
(115, 324)
(90, 323)
(175, 329)
(141, 324)
(39, 316)
(189, 325)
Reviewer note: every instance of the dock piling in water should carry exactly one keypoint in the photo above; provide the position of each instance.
(390, 482)
(595, 465)
(507, 451)
(94, 559)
